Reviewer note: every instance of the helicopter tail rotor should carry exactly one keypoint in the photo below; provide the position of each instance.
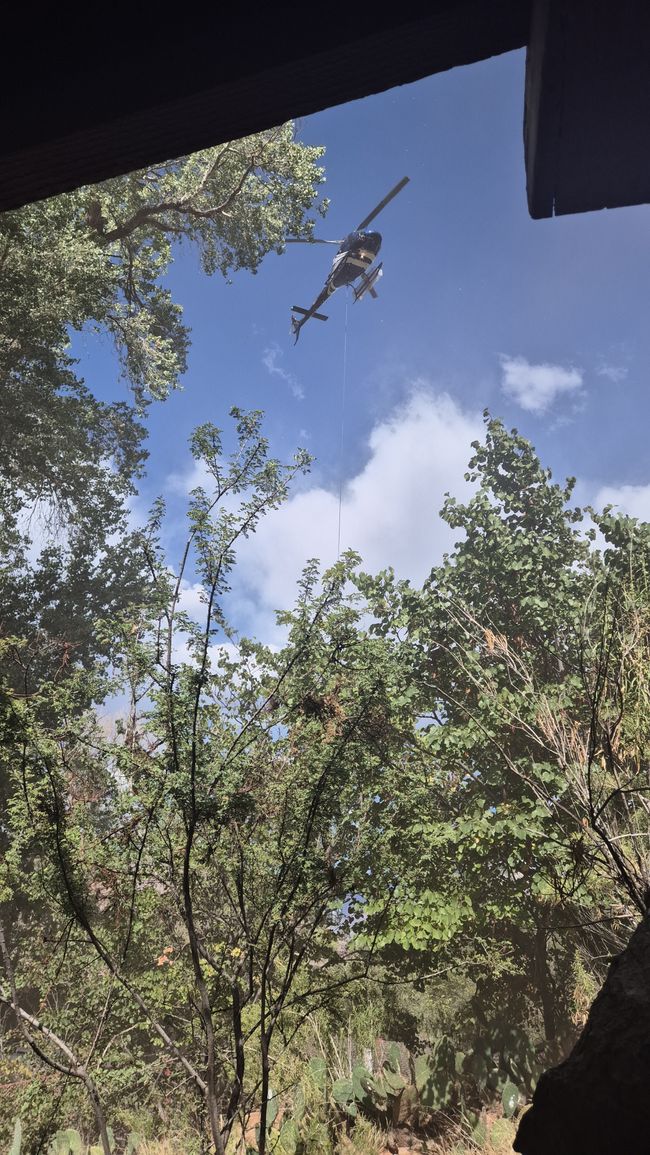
(305, 315)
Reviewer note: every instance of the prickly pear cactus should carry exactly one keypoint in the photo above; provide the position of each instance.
(343, 1095)
(318, 1072)
(68, 1142)
(392, 1057)
(298, 1110)
(510, 1099)
(17, 1140)
(272, 1108)
(289, 1138)
(435, 1076)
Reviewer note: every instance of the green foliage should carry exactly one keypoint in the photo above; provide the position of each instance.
(254, 775)
(479, 1133)
(487, 846)
(400, 827)
(389, 827)
(98, 255)
(95, 260)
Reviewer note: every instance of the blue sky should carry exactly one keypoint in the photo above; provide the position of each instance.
(543, 322)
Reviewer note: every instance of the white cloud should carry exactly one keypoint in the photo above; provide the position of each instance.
(192, 600)
(633, 500)
(270, 359)
(613, 373)
(184, 482)
(536, 387)
(389, 510)
(183, 652)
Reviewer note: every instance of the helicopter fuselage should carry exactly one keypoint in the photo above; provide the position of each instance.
(354, 261)
(356, 253)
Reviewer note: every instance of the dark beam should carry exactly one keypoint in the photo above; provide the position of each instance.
(148, 88)
(587, 105)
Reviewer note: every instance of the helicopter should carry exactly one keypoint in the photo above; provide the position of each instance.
(357, 253)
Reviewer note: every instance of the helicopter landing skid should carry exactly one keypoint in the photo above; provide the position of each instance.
(367, 283)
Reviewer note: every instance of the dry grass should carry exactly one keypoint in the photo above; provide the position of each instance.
(501, 1133)
(174, 1145)
(364, 1140)
(368, 1140)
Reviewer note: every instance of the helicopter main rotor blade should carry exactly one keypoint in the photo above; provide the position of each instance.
(382, 204)
(309, 241)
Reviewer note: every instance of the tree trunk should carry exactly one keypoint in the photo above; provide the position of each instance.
(545, 987)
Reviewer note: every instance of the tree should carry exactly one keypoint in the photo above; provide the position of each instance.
(203, 863)
(497, 850)
(597, 734)
(98, 255)
(459, 787)
(96, 258)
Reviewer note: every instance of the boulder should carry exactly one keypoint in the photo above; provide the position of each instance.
(597, 1102)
